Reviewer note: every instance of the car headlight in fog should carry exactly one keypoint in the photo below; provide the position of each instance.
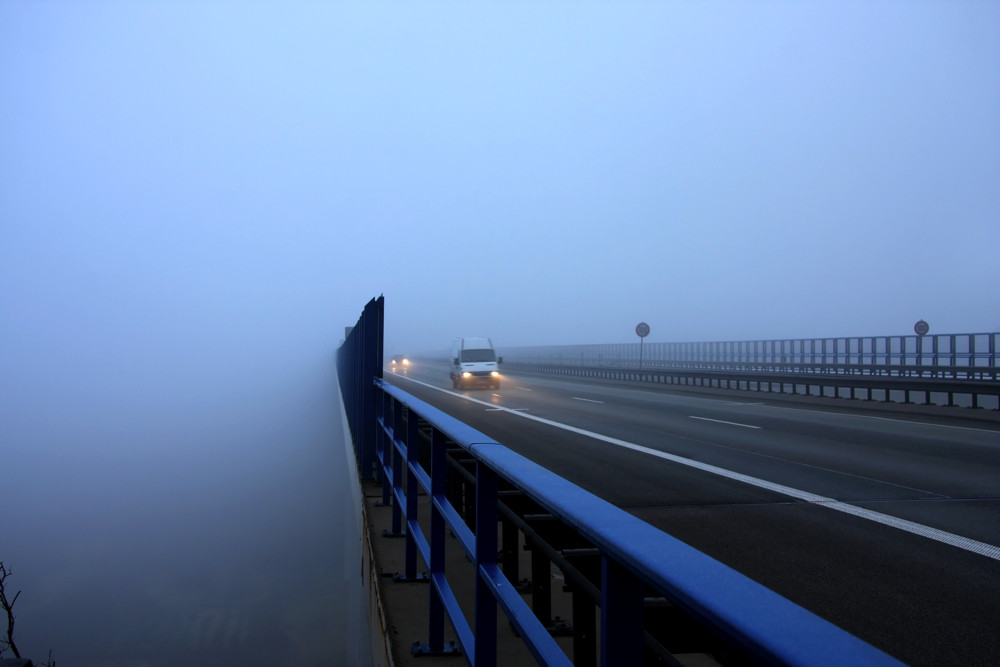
(406, 362)
(495, 374)
(466, 374)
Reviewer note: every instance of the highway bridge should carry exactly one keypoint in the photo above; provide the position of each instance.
(882, 519)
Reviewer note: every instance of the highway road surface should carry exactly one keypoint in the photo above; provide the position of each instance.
(886, 524)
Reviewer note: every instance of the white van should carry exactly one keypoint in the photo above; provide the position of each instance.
(474, 362)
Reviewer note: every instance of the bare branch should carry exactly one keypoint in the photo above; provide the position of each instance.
(8, 608)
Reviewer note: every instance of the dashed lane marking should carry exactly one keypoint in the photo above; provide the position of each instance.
(719, 421)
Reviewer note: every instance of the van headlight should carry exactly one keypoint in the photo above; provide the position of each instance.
(495, 374)
(466, 374)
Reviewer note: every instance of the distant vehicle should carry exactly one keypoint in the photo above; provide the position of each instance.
(399, 362)
(474, 362)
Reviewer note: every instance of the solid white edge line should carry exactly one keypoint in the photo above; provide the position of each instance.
(588, 400)
(719, 421)
(974, 546)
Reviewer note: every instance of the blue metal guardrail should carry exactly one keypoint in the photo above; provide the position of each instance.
(415, 450)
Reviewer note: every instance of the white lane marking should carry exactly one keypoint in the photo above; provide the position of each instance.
(523, 389)
(951, 539)
(719, 421)
(505, 409)
(589, 400)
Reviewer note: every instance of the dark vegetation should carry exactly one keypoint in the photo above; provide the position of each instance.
(7, 641)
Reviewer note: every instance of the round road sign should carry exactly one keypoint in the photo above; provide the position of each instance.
(921, 328)
(642, 330)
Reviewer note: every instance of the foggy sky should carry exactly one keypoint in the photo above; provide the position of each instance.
(535, 172)
(197, 198)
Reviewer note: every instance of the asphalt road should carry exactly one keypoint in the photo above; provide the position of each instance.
(886, 524)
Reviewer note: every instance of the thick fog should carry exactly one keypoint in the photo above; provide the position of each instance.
(197, 198)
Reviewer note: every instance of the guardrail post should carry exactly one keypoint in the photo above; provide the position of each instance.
(397, 469)
(541, 584)
(622, 632)
(382, 410)
(412, 492)
(487, 483)
(509, 542)
(435, 616)
(584, 629)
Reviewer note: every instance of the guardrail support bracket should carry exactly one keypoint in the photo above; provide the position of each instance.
(449, 648)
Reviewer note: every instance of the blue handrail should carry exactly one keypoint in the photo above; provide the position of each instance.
(767, 627)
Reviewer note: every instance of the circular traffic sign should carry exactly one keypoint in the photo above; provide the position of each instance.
(642, 330)
(921, 328)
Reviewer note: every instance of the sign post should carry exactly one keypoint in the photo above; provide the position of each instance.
(641, 330)
(921, 328)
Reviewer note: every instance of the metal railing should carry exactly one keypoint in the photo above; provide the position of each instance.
(944, 369)
(972, 356)
(931, 390)
(419, 451)
(490, 498)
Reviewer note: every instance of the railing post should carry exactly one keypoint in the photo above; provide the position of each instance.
(487, 483)
(621, 616)
(541, 584)
(412, 488)
(383, 411)
(397, 469)
(584, 629)
(510, 539)
(439, 465)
